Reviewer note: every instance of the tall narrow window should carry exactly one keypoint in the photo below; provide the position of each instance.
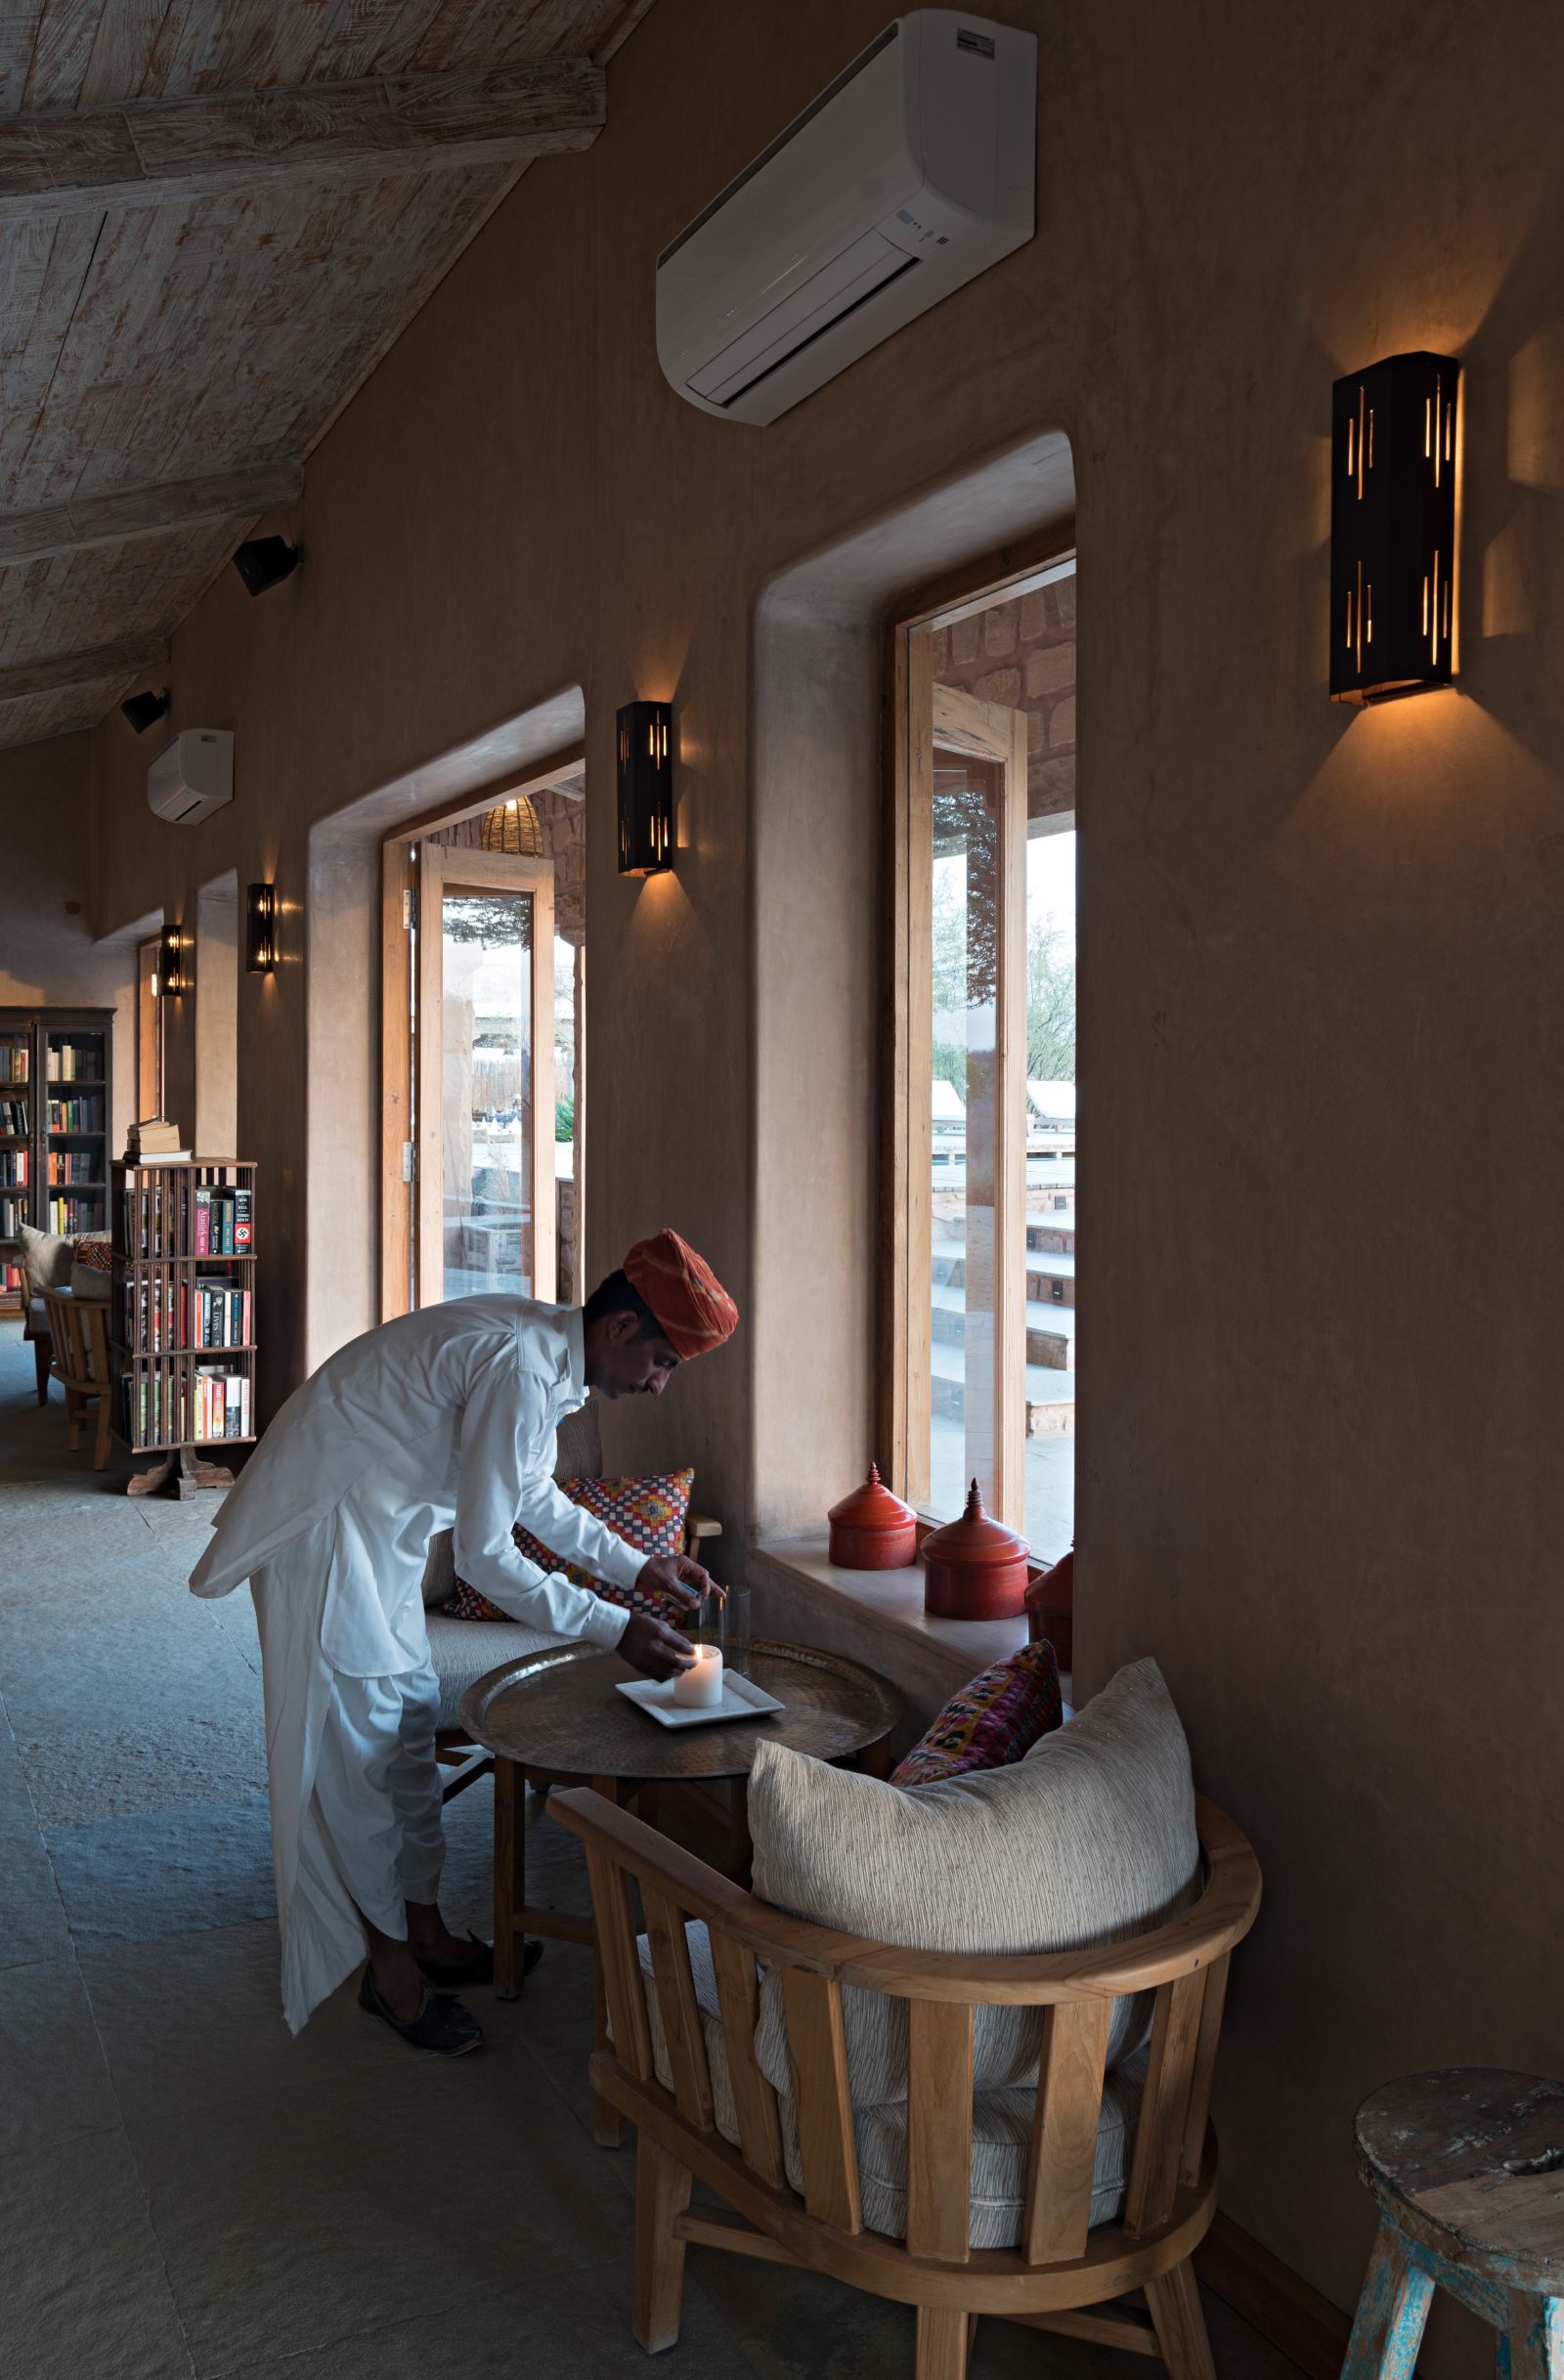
(982, 1338)
(486, 1117)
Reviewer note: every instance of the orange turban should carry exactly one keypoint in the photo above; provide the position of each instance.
(689, 1300)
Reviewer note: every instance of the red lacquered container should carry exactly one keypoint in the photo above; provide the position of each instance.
(1051, 1609)
(974, 1568)
(873, 1530)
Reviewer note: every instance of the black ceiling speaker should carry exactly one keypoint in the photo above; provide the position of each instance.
(1395, 452)
(265, 562)
(143, 709)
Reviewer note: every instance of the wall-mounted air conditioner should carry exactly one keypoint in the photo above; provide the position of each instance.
(913, 173)
(192, 776)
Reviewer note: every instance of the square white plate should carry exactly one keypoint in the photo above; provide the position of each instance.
(740, 1701)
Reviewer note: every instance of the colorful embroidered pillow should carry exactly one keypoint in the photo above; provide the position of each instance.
(91, 1264)
(648, 1513)
(993, 1720)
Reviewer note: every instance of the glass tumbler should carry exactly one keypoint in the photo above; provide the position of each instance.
(733, 1624)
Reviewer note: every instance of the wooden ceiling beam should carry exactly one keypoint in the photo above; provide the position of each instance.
(216, 142)
(123, 661)
(137, 512)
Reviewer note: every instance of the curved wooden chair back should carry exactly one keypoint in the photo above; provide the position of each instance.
(1061, 2262)
(79, 1329)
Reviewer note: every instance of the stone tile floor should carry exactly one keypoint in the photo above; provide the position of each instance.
(184, 2190)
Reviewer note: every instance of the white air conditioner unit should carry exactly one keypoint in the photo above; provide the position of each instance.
(192, 776)
(913, 173)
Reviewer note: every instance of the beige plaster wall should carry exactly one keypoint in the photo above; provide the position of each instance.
(48, 957)
(1322, 955)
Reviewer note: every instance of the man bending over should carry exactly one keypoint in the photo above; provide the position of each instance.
(443, 1418)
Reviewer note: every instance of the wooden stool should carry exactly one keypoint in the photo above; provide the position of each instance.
(1468, 2169)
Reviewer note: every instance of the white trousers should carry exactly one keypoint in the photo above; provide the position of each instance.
(354, 1785)
(373, 1819)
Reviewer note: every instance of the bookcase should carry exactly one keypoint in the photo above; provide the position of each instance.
(182, 1317)
(55, 1069)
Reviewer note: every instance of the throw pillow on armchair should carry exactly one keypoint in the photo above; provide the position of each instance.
(995, 1718)
(46, 1260)
(92, 1264)
(648, 1513)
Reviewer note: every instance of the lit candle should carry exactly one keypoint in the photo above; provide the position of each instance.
(700, 1687)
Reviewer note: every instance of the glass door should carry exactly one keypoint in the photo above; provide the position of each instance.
(486, 1124)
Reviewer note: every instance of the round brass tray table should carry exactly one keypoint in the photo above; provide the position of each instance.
(554, 1718)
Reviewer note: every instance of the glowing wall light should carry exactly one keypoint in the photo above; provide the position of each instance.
(645, 788)
(1393, 452)
(260, 929)
(173, 972)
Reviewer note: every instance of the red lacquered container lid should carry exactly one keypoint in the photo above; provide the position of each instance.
(871, 1528)
(974, 1568)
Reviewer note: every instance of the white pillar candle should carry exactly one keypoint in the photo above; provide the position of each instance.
(702, 1686)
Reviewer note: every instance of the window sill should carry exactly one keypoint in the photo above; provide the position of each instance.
(876, 1616)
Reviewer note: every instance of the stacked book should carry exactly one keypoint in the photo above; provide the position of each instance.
(151, 1138)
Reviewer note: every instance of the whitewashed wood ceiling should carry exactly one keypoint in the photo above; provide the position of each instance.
(215, 217)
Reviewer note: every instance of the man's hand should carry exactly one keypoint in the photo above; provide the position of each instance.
(678, 1576)
(653, 1647)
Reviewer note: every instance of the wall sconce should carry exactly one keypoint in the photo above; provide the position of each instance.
(645, 788)
(1393, 449)
(260, 929)
(173, 977)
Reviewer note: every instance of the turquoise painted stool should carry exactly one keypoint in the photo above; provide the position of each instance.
(1468, 2169)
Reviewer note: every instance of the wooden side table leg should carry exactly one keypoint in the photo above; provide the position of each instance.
(608, 2125)
(1533, 2346)
(1392, 2311)
(510, 1876)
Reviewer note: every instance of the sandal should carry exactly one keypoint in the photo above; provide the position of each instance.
(480, 1970)
(441, 2025)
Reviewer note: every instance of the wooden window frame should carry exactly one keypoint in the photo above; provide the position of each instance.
(442, 870)
(906, 1125)
(399, 896)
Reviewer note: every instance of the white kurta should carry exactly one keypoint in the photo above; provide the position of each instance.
(444, 1419)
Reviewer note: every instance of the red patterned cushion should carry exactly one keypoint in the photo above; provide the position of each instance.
(992, 1720)
(648, 1513)
(95, 1250)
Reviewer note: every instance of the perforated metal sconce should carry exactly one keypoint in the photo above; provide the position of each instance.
(1393, 455)
(645, 788)
(260, 929)
(173, 976)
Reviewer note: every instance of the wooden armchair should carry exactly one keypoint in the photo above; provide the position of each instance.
(1065, 2274)
(79, 1329)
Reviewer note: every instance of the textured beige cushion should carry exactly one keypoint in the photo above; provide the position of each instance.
(46, 1260)
(462, 1650)
(1088, 1840)
(1001, 2128)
